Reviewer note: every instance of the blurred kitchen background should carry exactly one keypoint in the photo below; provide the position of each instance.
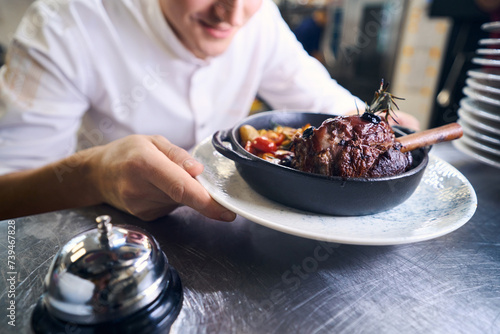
(422, 47)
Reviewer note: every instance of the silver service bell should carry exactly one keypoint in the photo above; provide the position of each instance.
(112, 279)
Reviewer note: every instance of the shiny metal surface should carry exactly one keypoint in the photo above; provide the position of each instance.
(105, 273)
(241, 277)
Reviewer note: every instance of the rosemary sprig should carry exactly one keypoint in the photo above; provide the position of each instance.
(383, 102)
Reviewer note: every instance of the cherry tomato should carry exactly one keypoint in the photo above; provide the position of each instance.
(277, 138)
(264, 144)
(249, 147)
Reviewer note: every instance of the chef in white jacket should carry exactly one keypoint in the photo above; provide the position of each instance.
(101, 99)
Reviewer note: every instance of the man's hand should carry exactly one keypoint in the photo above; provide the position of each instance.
(146, 176)
(406, 120)
(488, 5)
(149, 177)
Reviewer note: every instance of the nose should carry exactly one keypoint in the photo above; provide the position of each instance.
(230, 11)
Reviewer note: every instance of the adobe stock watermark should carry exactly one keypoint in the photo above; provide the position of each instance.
(88, 138)
(47, 11)
(131, 100)
(11, 274)
(122, 108)
(450, 115)
(291, 280)
(371, 30)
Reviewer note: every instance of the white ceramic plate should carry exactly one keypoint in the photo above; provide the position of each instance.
(443, 202)
(484, 85)
(481, 146)
(491, 26)
(493, 99)
(485, 157)
(475, 133)
(489, 41)
(486, 61)
(480, 109)
(485, 125)
(485, 74)
(488, 52)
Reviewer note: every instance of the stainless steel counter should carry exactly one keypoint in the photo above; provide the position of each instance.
(241, 277)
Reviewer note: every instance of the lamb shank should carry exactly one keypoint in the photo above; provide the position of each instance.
(350, 146)
(354, 146)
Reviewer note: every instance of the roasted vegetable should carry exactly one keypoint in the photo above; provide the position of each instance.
(270, 144)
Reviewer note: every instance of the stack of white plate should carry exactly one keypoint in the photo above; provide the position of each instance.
(479, 112)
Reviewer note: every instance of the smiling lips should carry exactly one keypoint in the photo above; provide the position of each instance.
(219, 31)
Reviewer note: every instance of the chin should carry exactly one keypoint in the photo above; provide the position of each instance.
(213, 51)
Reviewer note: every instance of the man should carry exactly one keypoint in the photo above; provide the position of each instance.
(143, 80)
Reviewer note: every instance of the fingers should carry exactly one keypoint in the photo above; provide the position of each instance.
(183, 189)
(406, 120)
(178, 156)
(173, 174)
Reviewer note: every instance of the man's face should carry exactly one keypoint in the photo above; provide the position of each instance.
(207, 27)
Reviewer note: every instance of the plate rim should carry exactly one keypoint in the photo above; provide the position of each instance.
(471, 131)
(485, 74)
(465, 148)
(465, 104)
(485, 61)
(342, 240)
(489, 41)
(493, 26)
(488, 52)
(467, 115)
(475, 84)
(481, 146)
(477, 95)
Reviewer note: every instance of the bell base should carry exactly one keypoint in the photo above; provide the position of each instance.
(157, 317)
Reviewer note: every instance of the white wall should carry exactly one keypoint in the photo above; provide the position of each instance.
(419, 62)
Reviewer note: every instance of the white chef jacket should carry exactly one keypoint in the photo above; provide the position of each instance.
(81, 73)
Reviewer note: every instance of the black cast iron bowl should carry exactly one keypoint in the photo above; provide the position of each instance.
(313, 192)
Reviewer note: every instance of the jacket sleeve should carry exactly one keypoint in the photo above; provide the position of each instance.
(42, 91)
(294, 80)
